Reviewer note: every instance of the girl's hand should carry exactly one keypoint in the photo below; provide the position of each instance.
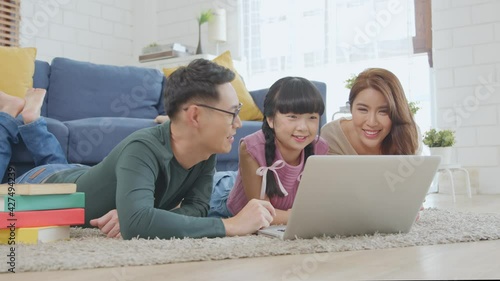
(418, 215)
(255, 215)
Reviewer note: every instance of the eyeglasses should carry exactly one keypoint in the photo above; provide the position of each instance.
(235, 113)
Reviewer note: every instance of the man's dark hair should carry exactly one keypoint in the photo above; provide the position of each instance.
(196, 81)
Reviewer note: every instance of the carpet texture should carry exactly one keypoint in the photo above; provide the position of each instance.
(89, 249)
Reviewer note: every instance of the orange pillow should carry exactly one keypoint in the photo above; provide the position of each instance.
(250, 111)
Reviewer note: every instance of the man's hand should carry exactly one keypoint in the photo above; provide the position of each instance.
(160, 119)
(108, 224)
(255, 215)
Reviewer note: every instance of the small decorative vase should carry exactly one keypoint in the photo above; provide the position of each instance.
(198, 49)
(444, 152)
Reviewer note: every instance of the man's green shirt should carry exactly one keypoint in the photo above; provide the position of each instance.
(142, 179)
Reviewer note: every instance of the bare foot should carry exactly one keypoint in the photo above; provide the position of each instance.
(11, 105)
(33, 106)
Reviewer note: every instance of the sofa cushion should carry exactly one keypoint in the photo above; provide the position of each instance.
(259, 96)
(229, 161)
(105, 90)
(91, 139)
(16, 70)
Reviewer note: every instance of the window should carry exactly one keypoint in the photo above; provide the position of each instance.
(422, 42)
(9, 22)
(328, 40)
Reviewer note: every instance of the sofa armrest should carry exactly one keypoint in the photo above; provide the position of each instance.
(41, 80)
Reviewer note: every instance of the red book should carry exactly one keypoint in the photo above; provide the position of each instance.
(59, 217)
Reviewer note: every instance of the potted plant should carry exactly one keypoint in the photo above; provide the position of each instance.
(440, 143)
(350, 81)
(204, 17)
(151, 48)
(414, 108)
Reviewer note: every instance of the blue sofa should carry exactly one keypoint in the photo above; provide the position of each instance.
(90, 108)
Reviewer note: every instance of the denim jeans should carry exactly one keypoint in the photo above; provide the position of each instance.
(8, 136)
(222, 185)
(41, 173)
(42, 145)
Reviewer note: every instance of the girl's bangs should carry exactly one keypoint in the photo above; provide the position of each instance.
(300, 99)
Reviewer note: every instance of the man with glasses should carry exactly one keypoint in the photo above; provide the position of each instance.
(157, 182)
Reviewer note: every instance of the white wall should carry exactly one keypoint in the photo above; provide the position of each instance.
(98, 31)
(176, 22)
(466, 36)
(115, 31)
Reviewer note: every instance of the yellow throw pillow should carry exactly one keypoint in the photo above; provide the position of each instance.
(169, 71)
(250, 111)
(16, 70)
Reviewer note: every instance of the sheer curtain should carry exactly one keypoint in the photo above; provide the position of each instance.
(329, 40)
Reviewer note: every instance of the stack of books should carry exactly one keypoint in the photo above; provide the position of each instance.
(34, 213)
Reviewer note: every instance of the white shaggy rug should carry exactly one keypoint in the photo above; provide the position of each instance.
(89, 249)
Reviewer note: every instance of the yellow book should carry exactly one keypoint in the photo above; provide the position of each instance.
(37, 189)
(33, 235)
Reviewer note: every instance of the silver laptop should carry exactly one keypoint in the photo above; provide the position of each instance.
(357, 195)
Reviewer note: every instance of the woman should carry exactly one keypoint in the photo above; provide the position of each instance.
(381, 122)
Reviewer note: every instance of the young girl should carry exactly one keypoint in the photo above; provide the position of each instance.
(272, 159)
(381, 122)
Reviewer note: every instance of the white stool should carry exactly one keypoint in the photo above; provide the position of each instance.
(343, 110)
(448, 169)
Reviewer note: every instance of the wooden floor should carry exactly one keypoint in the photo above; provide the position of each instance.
(478, 260)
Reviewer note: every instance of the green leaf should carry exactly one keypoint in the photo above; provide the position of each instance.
(204, 17)
(443, 138)
(349, 82)
(414, 108)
